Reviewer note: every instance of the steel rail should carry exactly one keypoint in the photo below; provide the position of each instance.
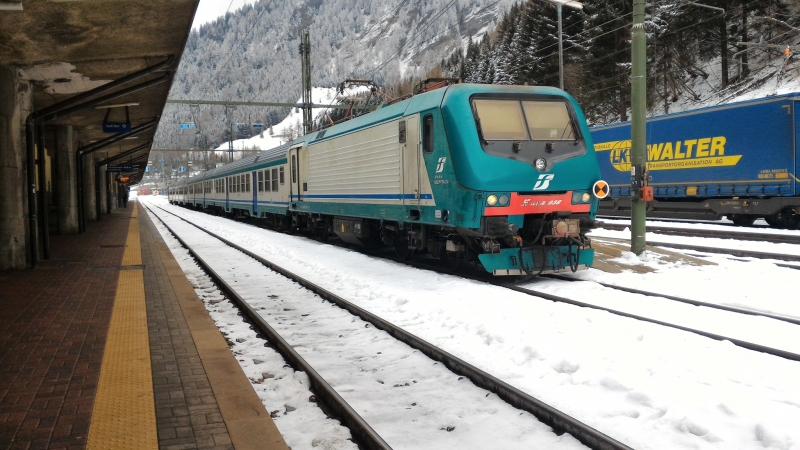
(717, 250)
(556, 419)
(327, 394)
(743, 236)
(689, 301)
(738, 342)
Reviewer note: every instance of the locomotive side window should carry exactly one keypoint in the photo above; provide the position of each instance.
(501, 120)
(548, 121)
(275, 179)
(427, 133)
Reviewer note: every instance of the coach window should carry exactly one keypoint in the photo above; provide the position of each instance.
(260, 181)
(427, 133)
(267, 184)
(247, 182)
(275, 179)
(281, 175)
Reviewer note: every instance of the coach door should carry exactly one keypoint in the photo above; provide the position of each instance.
(227, 193)
(294, 175)
(412, 158)
(254, 184)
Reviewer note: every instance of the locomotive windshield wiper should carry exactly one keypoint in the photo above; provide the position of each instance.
(480, 130)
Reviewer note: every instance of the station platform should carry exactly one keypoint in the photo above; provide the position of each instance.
(106, 345)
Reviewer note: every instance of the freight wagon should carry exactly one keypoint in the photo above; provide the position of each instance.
(738, 160)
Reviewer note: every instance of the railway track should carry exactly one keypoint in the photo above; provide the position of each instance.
(688, 232)
(738, 253)
(367, 437)
(685, 300)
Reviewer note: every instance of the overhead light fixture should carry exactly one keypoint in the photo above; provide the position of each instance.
(6, 6)
(116, 105)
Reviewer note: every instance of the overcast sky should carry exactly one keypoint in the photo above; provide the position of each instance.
(211, 9)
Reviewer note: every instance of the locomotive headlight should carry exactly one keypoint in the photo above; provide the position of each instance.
(491, 200)
(503, 200)
(540, 164)
(586, 197)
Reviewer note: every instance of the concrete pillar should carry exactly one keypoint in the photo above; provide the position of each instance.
(15, 105)
(64, 179)
(89, 209)
(103, 189)
(112, 192)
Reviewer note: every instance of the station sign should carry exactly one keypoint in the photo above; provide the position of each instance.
(121, 169)
(186, 126)
(258, 126)
(116, 127)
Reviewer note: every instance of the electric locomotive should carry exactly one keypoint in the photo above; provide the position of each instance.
(501, 176)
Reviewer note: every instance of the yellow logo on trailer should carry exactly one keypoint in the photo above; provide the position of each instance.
(686, 154)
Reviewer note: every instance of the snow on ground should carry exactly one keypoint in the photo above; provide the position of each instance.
(649, 386)
(393, 387)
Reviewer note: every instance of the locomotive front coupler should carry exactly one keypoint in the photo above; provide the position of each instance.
(589, 224)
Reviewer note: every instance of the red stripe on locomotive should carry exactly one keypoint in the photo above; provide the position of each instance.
(537, 204)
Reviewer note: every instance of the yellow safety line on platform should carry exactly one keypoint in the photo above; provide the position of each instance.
(124, 415)
(133, 245)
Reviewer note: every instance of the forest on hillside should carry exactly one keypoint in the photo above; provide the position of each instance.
(694, 49)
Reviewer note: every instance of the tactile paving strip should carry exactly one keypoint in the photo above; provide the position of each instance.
(124, 416)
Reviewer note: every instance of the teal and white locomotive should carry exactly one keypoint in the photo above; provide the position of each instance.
(504, 176)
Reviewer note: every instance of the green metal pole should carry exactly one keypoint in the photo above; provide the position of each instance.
(638, 130)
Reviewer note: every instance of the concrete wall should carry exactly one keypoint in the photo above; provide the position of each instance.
(64, 179)
(15, 105)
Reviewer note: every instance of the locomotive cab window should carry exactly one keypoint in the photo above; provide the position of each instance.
(427, 133)
(527, 128)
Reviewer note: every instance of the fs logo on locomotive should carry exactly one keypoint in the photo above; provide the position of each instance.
(440, 166)
(543, 182)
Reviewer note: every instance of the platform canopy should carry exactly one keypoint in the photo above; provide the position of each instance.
(68, 47)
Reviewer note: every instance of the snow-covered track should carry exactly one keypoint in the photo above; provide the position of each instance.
(697, 232)
(727, 251)
(556, 419)
(332, 401)
(684, 300)
(739, 342)
(739, 253)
